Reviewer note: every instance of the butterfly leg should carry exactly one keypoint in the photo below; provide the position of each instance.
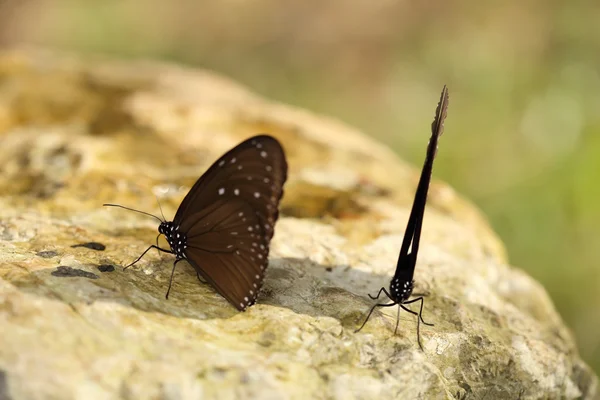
(371, 312)
(419, 318)
(379, 294)
(420, 313)
(145, 251)
(397, 320)
(171, 280)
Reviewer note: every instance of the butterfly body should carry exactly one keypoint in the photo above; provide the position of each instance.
(224, 225)
(402, 284)
(400, 290)
(177, 240)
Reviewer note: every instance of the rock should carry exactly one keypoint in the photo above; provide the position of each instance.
(77, 133)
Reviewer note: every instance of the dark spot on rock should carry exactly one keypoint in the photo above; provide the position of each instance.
(64, 272)
(91, 245)
(328, 269)
(584, 380)
(244, 378)
(324, 376)
(46, 254)
(267, 339)
(4, 395)
(44, 189)
(220, 371)
(370, 188)
(106, 268)
(465, 386)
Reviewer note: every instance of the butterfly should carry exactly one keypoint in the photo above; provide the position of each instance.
(401, 285)
(224, 225)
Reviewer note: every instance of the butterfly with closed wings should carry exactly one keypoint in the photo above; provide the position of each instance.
(225, 223)
(401, 285)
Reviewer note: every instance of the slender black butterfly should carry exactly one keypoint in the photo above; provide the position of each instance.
(401, 285)
(225, 223)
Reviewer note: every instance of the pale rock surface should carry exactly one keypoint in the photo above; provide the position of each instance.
(75, 134)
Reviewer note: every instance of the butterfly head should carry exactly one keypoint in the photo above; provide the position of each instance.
(177, 239)
(164, 227)
(401, 289)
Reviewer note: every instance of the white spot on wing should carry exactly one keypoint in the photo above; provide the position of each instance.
(221, 191)
(256, 194)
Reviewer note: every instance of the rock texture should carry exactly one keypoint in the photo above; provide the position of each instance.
(74, 325)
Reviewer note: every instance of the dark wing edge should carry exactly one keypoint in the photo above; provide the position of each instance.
(437, 126)
(405, 267)
(283, 168)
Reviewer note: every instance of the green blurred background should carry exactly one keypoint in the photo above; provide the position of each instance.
(523, 133)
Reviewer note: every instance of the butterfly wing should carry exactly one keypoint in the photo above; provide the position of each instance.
(255, 171)
(229, 215)
(228, 247)
(406, 261)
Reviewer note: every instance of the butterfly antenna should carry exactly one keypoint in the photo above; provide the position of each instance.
(131, 209)
(160, 208)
